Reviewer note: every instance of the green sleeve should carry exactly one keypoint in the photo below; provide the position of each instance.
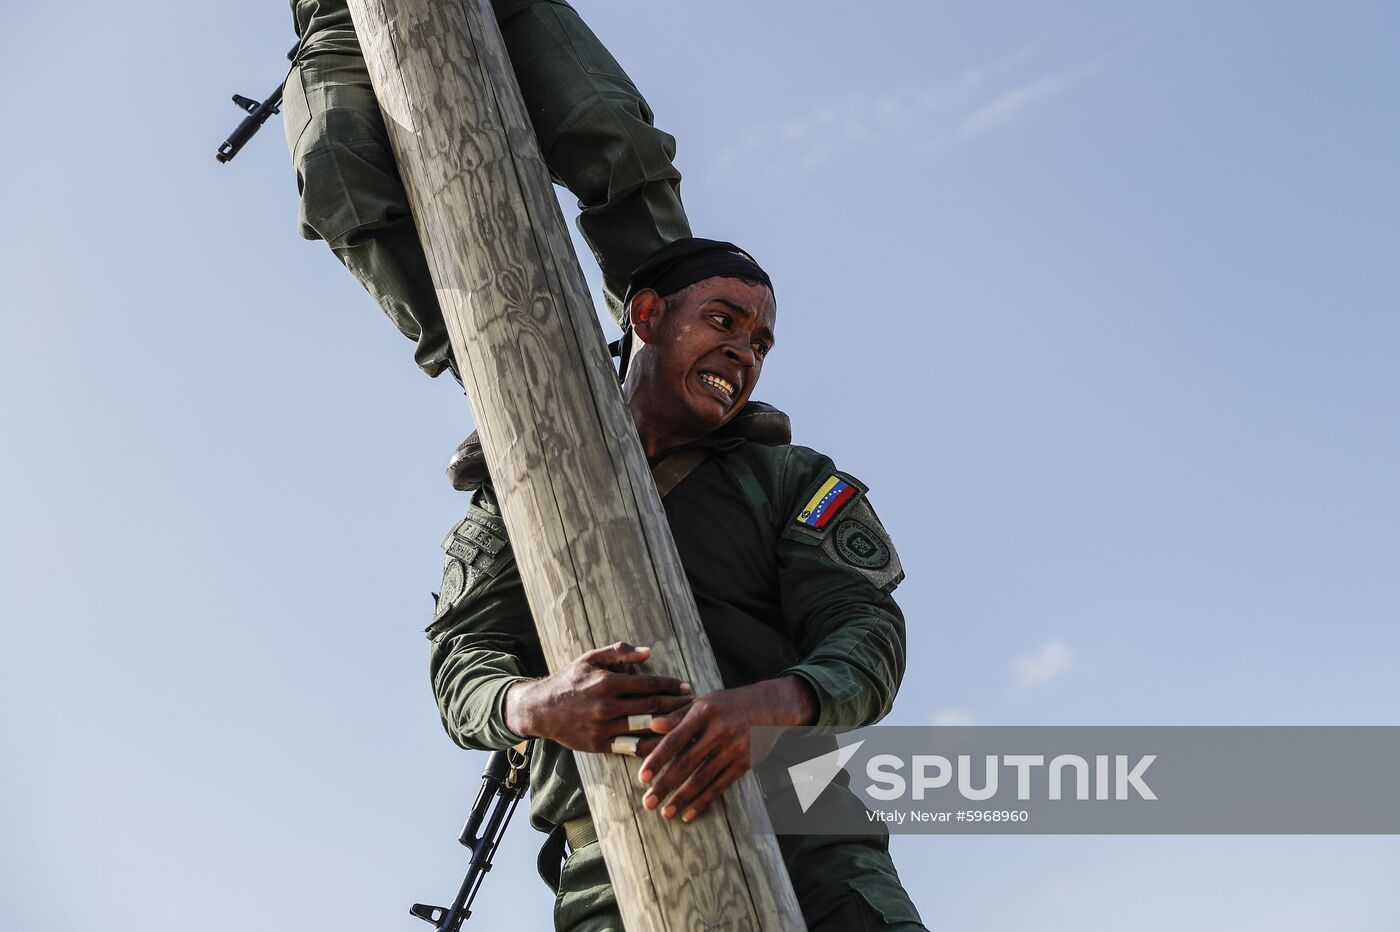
(836, 583)
(483, 638)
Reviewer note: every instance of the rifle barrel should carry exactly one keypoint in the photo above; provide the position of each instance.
(250, 126)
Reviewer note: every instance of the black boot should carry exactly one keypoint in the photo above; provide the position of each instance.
(467, 468)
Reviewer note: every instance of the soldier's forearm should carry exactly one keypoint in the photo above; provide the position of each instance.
(517, 710)
(792, 701)
(854, 683)
(588, 704)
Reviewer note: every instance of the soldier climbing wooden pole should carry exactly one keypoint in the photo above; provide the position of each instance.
(587, 525)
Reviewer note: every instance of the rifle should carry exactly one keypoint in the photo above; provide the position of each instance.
(502, 785)
(258, 114)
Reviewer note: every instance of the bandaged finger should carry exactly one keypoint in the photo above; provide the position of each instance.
(625, 744)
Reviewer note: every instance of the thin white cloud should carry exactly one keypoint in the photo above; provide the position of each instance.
(953, 717)
(952, 109)
(1053, 660)
(1014, 102)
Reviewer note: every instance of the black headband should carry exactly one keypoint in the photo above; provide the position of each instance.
(679, 265)
(687, 261)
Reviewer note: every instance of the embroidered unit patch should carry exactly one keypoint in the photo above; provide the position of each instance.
(830, 498)
(473, 531)
(859, 541)
(454, 583)
(860, 546)
(476, 548)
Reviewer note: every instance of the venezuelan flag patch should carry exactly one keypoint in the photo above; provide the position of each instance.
(831, 496)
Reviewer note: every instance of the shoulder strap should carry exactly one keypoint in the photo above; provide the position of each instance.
(672, 471)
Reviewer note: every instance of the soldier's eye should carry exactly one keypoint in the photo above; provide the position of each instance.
(760, 349)
(723, 320)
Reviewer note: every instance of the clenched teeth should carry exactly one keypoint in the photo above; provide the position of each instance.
(718, 383)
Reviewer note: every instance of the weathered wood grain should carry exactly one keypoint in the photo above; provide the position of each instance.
(586, 523)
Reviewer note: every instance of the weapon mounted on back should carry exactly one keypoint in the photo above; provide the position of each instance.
(503, 784)
(258, 114)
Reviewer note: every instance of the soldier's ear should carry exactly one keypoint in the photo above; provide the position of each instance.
(645, 313)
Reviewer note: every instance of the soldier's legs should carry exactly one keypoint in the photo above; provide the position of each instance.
(842, 885)
(585, 901)
(596, 133)
(848, 884)
(594, 129)
(352, 196)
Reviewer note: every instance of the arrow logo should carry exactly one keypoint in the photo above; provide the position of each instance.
(811, 777)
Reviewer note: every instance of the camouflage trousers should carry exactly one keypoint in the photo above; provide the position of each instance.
(843, 884)
(594, 128)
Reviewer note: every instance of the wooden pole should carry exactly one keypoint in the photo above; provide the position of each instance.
(588, 529)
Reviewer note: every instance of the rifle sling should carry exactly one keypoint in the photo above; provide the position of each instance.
(672, 470)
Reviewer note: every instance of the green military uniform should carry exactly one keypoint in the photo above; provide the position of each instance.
(779, 590)
(594, 128)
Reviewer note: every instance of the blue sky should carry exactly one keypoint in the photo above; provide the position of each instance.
(1091, 295)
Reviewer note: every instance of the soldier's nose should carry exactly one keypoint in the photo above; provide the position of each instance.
(742, 353)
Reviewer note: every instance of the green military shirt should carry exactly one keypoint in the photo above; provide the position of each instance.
(792, 574)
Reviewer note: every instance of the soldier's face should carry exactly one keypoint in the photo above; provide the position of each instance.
(704, 352)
